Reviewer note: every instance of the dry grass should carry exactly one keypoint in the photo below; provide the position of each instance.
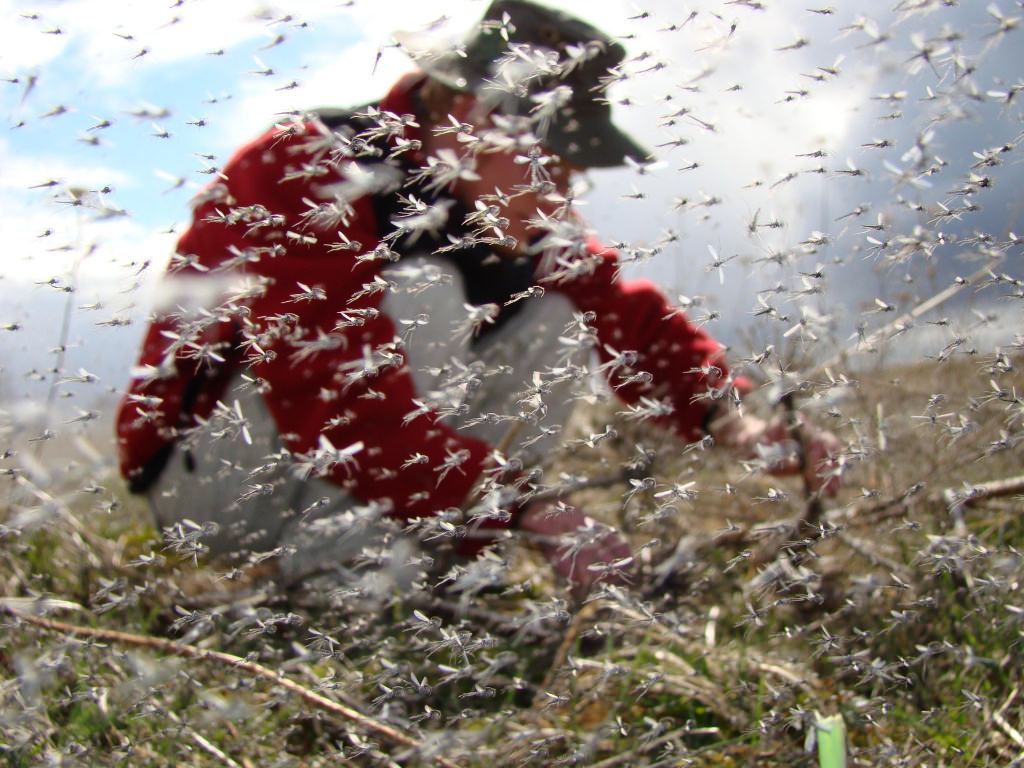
(896, 613)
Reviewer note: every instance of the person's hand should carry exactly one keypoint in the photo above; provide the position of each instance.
(785, 448)
(579, 549)
(802, 448)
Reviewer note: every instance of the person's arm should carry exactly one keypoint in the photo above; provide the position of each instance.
(688, 371)
(686, 366)
(784, 448)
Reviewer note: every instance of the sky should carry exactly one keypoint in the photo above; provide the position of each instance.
(112, 115)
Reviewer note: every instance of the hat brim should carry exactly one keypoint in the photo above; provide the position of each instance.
(595, 144)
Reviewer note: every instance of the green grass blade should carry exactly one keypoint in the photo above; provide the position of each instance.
(831, 741)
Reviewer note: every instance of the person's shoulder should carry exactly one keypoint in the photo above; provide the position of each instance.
(313, 132)
(340, 117)
(290, 139)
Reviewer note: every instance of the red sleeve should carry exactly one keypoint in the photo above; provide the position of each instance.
(687, 366)
(258, 223)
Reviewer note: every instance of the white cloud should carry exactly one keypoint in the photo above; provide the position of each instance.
(27, 44)
(23, 171)
(102, 40)
(348, 75)
(47, 230)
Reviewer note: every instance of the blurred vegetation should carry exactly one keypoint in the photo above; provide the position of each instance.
(899, 611)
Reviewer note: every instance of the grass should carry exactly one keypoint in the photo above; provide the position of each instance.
(895, 618)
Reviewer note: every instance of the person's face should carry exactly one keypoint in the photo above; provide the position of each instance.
(509, 168)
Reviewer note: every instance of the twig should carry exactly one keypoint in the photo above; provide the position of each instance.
(979, 492)
(1004, 725)
(777, 543)
(956, 499)
(257, 670)
(585, 613)
(863, 549)
(873, 512)
(925, 306)
(214, 750)
(813, 508)
(558, 491)
(630, 756)
(1009, 730)
(766, 541)
(510, 435)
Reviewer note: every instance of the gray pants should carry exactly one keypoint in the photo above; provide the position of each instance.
(244, 494)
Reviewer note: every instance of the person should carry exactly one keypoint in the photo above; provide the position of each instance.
(375, 325)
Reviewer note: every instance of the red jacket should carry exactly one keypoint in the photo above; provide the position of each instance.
(257, 226)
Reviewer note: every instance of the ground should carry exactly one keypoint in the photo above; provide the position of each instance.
(899, 610)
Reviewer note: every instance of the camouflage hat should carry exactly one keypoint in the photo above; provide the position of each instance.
(543, 64)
